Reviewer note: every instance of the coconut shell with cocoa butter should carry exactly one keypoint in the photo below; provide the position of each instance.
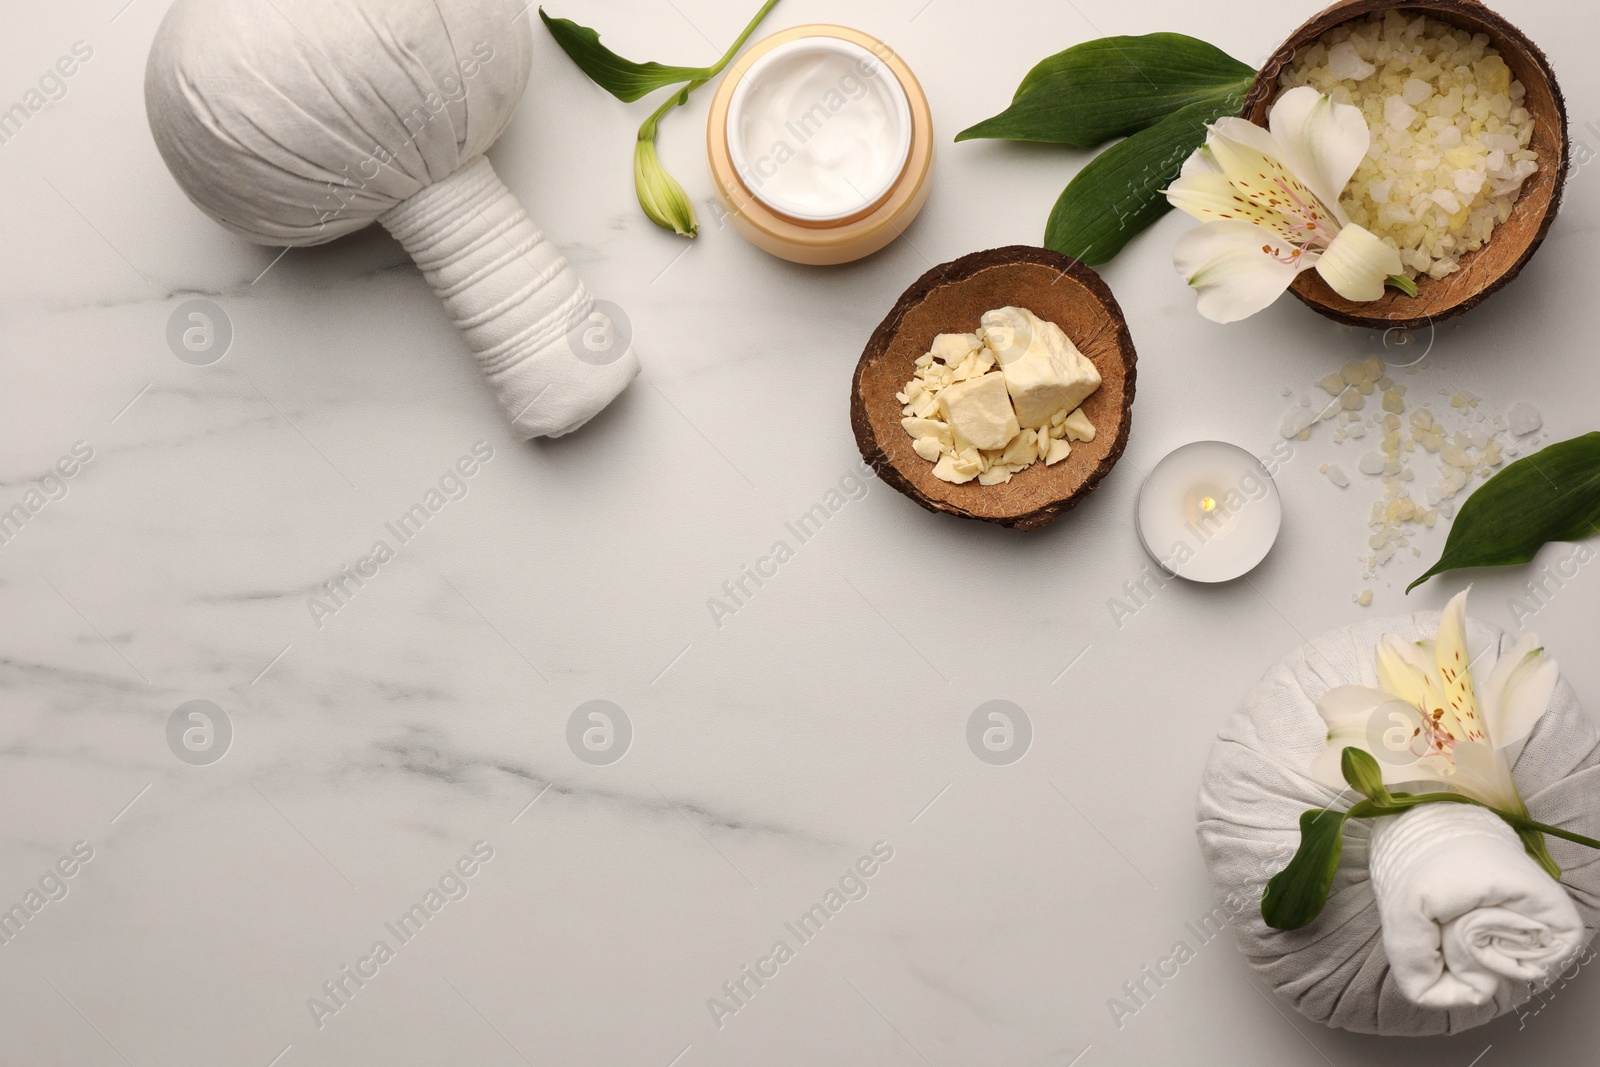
(952, 298)
(1514, 241)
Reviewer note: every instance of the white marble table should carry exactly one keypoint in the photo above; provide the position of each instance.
(368, 754)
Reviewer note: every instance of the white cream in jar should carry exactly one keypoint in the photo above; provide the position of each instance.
(819, 129)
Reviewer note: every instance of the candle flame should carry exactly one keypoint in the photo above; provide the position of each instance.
(1208, 504)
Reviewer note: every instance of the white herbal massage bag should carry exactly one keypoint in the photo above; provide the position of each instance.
(1335, 971)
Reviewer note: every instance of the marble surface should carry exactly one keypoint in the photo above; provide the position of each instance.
(374, 747)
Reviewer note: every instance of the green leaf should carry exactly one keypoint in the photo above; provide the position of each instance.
(1119, 193)
(1364, 774)
(622, 78)
(1113, 87)
(1296, 895)
(1552, 495)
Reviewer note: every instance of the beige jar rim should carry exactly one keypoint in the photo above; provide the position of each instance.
(837, 240)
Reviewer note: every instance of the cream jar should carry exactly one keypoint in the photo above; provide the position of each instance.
(821, 145)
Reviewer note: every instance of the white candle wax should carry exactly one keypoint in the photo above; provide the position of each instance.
(1209, 512)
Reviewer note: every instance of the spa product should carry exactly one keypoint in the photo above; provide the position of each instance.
(294, 122)
(1451, 139)
(816, 131)
(938, 316)
(820, 144)
(1393, 952)
(1515, 239)
(1209, 512)
(987, 405)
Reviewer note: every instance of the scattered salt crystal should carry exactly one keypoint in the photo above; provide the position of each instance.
(1372, 463)
(1336, 475)
(1295, 421)
(1525, 418)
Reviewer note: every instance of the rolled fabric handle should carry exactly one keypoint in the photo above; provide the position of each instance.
(514, 299)
(1463, 907)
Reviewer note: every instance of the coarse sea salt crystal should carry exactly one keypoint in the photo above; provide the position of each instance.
(1345, 64)
(1525, 418)
(1447, 200)
(1468, 182)
(1397, 113)
(1415, 91)
(1295, 421)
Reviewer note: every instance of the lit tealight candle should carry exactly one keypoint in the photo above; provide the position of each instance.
(1209, 512)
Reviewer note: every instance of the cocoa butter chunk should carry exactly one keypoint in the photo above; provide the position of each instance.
(980, 410)
(1044, 370)
(952, 348)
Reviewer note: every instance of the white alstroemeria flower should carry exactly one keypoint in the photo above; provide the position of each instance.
(1270, 203)
(1438, 726)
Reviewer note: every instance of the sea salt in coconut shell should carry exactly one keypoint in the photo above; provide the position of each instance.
(1514, 240)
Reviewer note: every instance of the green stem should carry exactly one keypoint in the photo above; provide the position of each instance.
(647, 132)
(1402, 283)
(727, 57)
(1528, 829)
(1368, 808)
(1523, 823)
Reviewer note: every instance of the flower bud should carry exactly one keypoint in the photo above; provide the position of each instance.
(660, 195)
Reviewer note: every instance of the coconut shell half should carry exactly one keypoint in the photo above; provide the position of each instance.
(952, 299)
(1513, 243)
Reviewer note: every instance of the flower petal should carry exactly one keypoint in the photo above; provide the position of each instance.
(1245, 132)
(1455, 672)
(1321, 140)
(1211, 196)
(1347, 709)
(1518, 692)
(1199, 162)
(1483, 774)
(1399, 672)
(1357, 263)
(1233, 266)
(1254, 163)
